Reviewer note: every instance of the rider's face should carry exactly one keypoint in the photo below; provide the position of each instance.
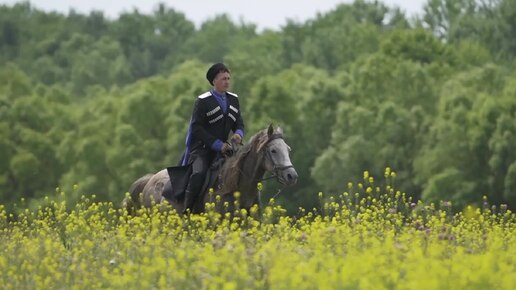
(221, 82)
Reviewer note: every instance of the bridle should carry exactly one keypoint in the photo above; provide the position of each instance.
(275, 167)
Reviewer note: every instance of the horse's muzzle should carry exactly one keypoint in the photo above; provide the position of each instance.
(287, 176)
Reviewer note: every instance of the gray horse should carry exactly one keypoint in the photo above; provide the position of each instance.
(265, 152)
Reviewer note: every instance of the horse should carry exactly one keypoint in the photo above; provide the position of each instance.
(266, 151)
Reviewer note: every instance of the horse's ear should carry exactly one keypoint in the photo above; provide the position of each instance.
(279, 130)
(270, 131)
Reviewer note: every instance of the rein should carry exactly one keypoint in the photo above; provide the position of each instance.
(267, 178)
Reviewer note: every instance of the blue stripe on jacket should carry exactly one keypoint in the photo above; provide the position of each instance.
(188, 142)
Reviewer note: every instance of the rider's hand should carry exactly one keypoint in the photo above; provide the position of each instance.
(226, 149)
(237, 138)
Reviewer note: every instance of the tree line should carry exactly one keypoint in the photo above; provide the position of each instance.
(88, 104)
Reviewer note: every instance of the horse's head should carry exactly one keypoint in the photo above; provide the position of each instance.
(277, 159)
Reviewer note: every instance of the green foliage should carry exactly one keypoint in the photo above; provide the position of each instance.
(471, 136)
(417, 45)
(217, 37)
(337, 38)
(366, 137)
(91, 61)
(491, 23)
(450, 185)
(253, 59)
(89, 104)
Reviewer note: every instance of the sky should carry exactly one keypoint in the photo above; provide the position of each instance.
(272, 14)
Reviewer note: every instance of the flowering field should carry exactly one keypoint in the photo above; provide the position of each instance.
(366, 238)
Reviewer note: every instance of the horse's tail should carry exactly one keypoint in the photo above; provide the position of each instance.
(132, 201)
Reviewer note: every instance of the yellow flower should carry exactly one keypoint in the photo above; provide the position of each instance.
(387, 171)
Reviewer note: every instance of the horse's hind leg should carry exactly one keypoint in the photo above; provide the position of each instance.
(153, 192)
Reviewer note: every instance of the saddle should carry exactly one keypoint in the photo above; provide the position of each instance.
(179, 177)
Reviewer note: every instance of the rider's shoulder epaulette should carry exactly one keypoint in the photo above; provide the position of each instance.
(205, 95)
(232, 94)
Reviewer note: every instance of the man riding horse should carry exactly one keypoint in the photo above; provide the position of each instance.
(216, 113)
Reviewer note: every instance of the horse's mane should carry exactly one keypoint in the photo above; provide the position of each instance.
(233, 166)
